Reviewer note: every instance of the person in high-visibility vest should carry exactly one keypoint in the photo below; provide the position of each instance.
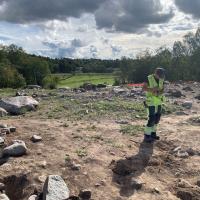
(154, 87)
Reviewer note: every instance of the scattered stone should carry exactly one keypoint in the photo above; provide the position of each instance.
(187, 104)
(97, 185)
(182, 154)
(85, 194)
(188, 89)
(197, 97)
(12, 129)
(3, 197)
(36, 138)
(5, 130)
(3, 126)
(175, 93)
(156, 190)
(75, 167)
(2, 141)
(55, 188)
(184, 184)
(3, 112)
(18, 148)
(190, 151)
(43, 164)
(177, 149)
(18, 105)
(121, 122)
(119, 91)
(181, 113)
(2, 186)
(33, 197)
(112, 153)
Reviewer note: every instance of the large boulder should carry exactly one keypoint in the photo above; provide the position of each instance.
(18, 148)
(3, 197)
(3, 112)
(55, 188)
(18, 105)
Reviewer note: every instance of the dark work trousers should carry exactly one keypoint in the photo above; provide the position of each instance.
(154, 114)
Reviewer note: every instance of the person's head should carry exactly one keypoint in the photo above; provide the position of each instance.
(159, 73)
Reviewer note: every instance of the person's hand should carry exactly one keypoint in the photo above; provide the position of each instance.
(155, 91)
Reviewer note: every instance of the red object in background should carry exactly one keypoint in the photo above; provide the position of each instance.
(136, 84)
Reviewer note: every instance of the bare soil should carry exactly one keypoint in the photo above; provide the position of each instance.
(110, 161)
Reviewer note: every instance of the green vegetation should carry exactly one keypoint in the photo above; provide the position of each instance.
(181, 63)
(79, 79)
(81, 152)
(131, 129)
(18, 68)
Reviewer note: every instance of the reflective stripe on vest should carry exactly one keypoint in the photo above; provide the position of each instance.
(151, 99)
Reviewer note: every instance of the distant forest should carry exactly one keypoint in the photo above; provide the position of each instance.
(182, 62)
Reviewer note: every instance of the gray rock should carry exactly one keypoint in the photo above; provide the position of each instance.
(184, 184)
(2, 141)
(182, 154)
(181, 113)
(4, 197)
(18, 105)
(33, 197)
(190, 151)
(187, 104)
(197, 97)
(3, 112)
(121, 122)
(85, 194)
(2, 186)
(175, 93)
(55, 188)
(3, 126)
(12, 129)
(118, 90)
(188, 88)
(177, 149)
(18, 148)
(36, 138)
(5, 130)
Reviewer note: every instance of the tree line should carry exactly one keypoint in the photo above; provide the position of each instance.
(182, 62)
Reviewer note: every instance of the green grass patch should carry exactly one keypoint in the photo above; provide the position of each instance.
(131, 129)
(77, 80)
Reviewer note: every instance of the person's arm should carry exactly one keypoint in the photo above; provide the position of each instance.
(146, 88)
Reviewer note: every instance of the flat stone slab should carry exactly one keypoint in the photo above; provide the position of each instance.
(55, 188)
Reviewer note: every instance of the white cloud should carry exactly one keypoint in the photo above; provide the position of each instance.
(81, 38)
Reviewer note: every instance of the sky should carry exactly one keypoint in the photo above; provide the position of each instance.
(105, 29)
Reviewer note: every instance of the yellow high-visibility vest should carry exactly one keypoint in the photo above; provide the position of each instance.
(151, 99)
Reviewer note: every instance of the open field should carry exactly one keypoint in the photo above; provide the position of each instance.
(77, 80)
(94, 140)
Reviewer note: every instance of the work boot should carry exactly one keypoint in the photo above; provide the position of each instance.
(148, 138)
(154, 136)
